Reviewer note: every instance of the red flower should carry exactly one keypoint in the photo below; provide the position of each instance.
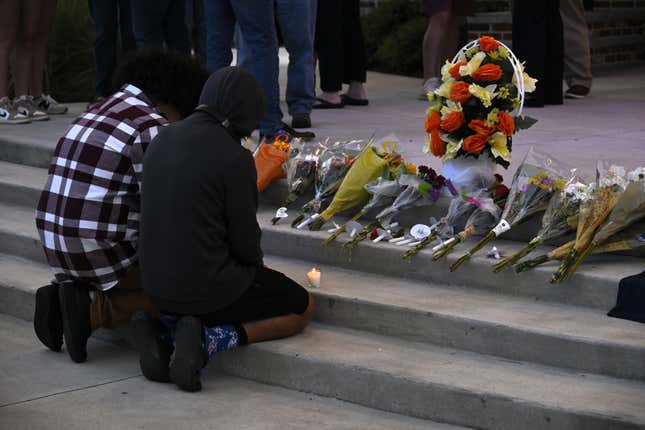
(432, 121)
(437, 146)
(454, 70)
(453, 121)
(459, 92)
(479, 126)
(488, 73)
(374, 234)
(505, 124)
(475, 143)
(487, 43)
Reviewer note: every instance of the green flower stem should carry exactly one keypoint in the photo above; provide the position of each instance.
(340, 230)
(585, 253)
(418, 247)
(509, 261)
(567, 262)
(361, 235)
(297, 220)
(317, 223)
(479, 245)
(529, 264)
(446, 248)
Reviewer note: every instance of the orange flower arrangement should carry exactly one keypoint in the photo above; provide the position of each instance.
(432, 122)
(487, 43)
(437, 145)
(459, 92)
(453, 121)
(479, 126)
(506, 124)
(488, 73)
(475, 143)
(454, 70)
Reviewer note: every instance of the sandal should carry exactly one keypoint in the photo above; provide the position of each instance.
(324, 104)
(351, 101)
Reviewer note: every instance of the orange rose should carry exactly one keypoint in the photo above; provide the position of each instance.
(453, 121)
(487, 43)
(459, 92)
(475, 143)
(454, 70)
(432, 121)
(437, 146)
(479, 126)
(505, 124)
(488, 73)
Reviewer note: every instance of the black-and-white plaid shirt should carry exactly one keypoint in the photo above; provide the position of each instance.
(88, 213)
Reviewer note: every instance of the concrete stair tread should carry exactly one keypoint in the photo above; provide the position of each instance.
(467, 303)
(22, 274)
(27, 176)
(460, 371)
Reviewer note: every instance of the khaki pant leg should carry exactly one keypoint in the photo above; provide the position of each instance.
(577, 49)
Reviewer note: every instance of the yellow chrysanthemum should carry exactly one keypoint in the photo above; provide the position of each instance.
(444, 89)
(450, 108)
(473, 64)
(485, 94)
(445, 71)
(492, 117)
(529, 82)
(452, 147)
(499, 147)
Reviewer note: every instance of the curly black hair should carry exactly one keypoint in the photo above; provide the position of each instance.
(165, 77)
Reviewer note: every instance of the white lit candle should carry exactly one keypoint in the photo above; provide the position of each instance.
(313, 276)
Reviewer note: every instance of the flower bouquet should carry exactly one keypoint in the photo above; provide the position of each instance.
(478, 107)
(556, 222)
(369, 165)
(536, 180)
(629, 209)
(480, 221)
(301, 169)
(270, 160)
(333, 164)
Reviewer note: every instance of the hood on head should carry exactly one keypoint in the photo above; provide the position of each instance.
(233, 95)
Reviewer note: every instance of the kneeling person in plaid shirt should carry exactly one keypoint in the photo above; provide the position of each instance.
(88, 213)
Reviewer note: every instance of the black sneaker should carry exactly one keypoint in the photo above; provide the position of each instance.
(301, 120)
(305, 135)
(75, 310)
(190, 356)
(154, 353)
(577, 92)
(48, 319)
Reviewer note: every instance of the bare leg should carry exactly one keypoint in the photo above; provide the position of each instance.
(279, 327)
(29, 20)
(48, 11)
(331, 97)
(357, 90)
(8, 30)
(433, 41)
(451, 37)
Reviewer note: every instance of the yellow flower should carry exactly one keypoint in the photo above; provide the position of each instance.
(452, 147)
(472, 65)
(529, 82)
(498, 146)
(503, 52)
(503, 93)
(450, 108)
(444, 89)
(472, 51)
(426, 145)
(445, 71)
(485, 94)
(492, 117)
(411, 168)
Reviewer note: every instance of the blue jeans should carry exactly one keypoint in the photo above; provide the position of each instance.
(257, 24)
(156, 22)
(109, 17)
(297, 19)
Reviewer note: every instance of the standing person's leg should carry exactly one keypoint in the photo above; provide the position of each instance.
(329, 46)
(105, 18)
(25, 48)
(147, 22)
(128, 43)
(577, 52)
(257, 23)
(220, 24)
(174, 27)
(529, 44)
(436, 36)
(355, 63)
(9, 21)
(295, 21)
(554, 62)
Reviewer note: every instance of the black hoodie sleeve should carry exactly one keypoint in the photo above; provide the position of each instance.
(241, 204)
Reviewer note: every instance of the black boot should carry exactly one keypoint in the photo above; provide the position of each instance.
(48, 319)
(154, 353)
(75, 308)
(190, 356)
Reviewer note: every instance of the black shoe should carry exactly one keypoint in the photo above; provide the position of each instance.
(577, 92)
(351, 101)
(154, 353)
(48, 319)
(306, 135)
(75, 309)
(301, 120)
(190, 356)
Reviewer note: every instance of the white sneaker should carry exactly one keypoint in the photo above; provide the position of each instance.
(429, 86)
(48, 104)
(9, 115)
(25, 106)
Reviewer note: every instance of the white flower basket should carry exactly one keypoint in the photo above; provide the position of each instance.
(517, 69)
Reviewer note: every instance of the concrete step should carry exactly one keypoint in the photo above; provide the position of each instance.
(19, 280)
(44, 390)
(439, 383)
(20, 184)
(594, 285)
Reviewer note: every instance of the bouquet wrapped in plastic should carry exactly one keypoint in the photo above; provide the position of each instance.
(270, 160)
(556, 222)
(480, 221)
(369, 165)
(604, 194)
(629, 209)
(333, 164)
(536, 180)
(301, 169)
